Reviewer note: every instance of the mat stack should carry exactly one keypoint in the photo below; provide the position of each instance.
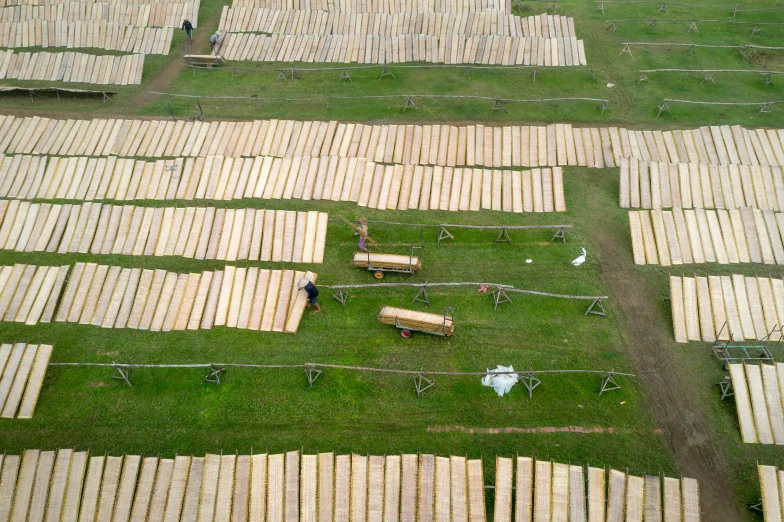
(552, 491)
(686, 236)
(236, 297)
(75, 485)
(652, 185)
(558, 144)
(22, 370)
(724, 307)
(387, 261)
(191, 232)
(414, 320)
(758, 391)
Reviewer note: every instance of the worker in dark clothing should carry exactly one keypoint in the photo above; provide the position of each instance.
(307, 285)
(187, 26)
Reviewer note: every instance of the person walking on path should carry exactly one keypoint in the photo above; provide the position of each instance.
(307, 285)
(214, 39)
(187, 26)
(363, 233)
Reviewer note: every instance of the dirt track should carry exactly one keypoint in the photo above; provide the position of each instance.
(675, 411)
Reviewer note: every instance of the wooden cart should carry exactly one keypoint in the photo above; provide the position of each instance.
(414, 321)
(380, 263)
(210, 60)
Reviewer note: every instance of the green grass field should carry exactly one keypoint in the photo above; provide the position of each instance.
(171, 411)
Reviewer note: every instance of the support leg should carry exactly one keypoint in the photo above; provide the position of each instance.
(214, 375)
(312, 374)
(342, 297)
(596, 308)
(608, 383)
(121, 374)
(530, 381)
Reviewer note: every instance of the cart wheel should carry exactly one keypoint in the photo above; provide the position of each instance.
(378, 275)
(405, 334)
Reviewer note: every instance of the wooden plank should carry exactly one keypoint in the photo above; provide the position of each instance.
(691, 500)
(672, 500)
(635, 491)
(524, 484)
(759, 404)
(678, 310)
(616, 496)
(476, 492)
(35, 382)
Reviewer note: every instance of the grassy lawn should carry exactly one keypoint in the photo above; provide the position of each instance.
(174, 411)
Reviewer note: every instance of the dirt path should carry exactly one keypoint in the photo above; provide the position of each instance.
(673, 408)
(166, 77)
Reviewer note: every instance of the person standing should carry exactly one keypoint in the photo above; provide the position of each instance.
(363, 233)
(187, 26)
(214, 39)
(307, 285)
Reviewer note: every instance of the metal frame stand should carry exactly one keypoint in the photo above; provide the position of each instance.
(535, 73)
(765, 109)
(422, 296)
(312, 374)
(592, 76)
(345, 75)
(530, 381)
(385, 72)
(612, 27)
(663, 107)
(281, 76)
(708, 77)
(419, 379)
(756, 506)
(693, 27)
(443, 233)
(608, 383)
(500, 297)
(499, 107)
(466, 72)
(726, 387)
(727, 352)
(755, 29)
(596, 308)
(663, 9)
(625, 48)
(503, 237)
(641, 78)
(601, 7)
(765, 77)
(602, 107)
(214, 375)
(691, 49)
(652, 24)
(341, 296)
(409, 104)
(235, 74)
(559, 234)
(121, 374)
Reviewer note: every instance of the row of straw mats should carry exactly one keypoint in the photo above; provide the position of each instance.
(29, 293)
(442, 145)
(328, 178)
(687, 185)
(22, 370)
(72, 67)
(454, 49)
(375, 6)
(192, 232)
(150, 15)
(721, 307)
(686, 236)
(91, 33)
(73, 485)
(157, 300)
(323, 23)
(771, 486)
(758, 397)
(551, 491)
(415, 320)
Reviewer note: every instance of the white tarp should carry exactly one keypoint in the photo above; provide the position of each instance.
(500, 382)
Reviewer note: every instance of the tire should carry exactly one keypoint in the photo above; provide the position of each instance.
(405, 334)
(378, 275)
